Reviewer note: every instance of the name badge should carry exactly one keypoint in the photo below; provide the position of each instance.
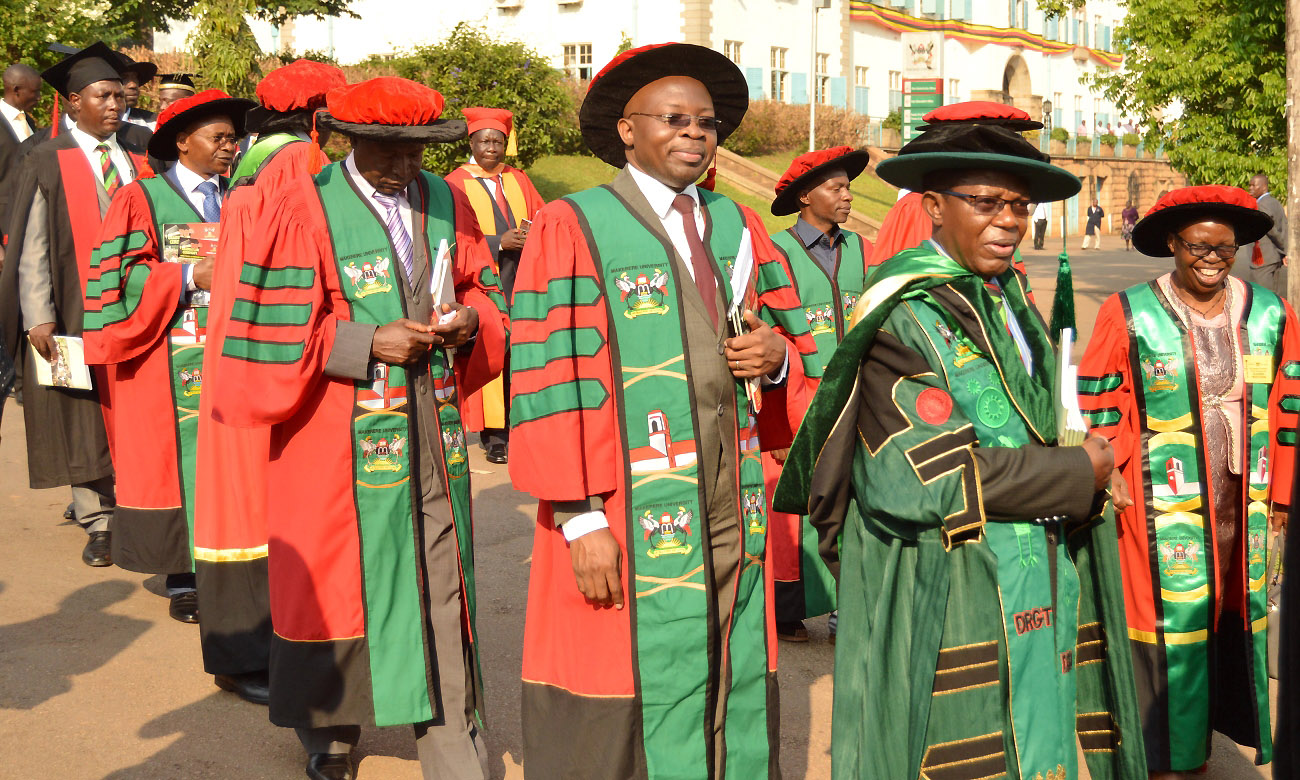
(1257, 369)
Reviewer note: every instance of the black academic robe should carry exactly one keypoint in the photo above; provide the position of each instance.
(9, 144)
(66, 439)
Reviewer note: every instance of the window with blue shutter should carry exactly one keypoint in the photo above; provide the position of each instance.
(861, 95)
(799, 88)
(754, 78)
(839, 92)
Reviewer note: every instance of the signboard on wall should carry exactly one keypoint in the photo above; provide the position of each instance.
(920, 97)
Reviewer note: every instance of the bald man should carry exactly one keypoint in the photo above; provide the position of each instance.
(22, 85)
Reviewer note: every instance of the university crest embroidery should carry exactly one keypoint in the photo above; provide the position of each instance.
(1160, 371)
(645, 294)
(753, 508)
(850, 301)
(370, 278)
(382, 455)
(453, 440)
(1257, 541)
(1052, 774)
(191, 381)
(1180, 558)
(820, 319)
(663, 533)
(963, 349)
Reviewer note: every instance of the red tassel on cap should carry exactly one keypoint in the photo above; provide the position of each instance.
(317, 161)
(711, 180)
(54, 117)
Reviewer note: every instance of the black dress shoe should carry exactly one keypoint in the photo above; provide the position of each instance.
(69, 513)
(185, 607)
(330, 766)
(496, 453)
(251, 687)
(97, 550)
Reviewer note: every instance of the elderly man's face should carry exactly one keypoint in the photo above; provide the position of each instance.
(674, 156)
(388, 166)
(488, 147)
(983, 244)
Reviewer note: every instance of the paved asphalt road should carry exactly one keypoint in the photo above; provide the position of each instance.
(97, 682)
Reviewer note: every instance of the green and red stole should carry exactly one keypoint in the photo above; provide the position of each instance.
(384, 436)
(828, 300)
(668, 532)
(259, 153)
(1180, 522)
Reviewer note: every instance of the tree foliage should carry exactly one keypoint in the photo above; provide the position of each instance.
(28, 27)
(224, 46)
(151, 14)
(469, 68)
(1224, 64)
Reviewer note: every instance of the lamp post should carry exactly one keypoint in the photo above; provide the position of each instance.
(812, 80)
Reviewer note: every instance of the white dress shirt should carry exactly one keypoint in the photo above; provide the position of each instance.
(188, 182)
(20, 127)
(368, 192)
(88, 142)
(661, 197)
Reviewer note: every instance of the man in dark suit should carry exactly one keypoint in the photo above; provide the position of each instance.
(1266, 258)
(22, 86)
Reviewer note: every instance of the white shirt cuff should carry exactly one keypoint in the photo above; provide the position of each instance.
(583, 524)
(773, 381)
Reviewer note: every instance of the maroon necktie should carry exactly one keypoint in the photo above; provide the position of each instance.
(704, 279)
(500, 196)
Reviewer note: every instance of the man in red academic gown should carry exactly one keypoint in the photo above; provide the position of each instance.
(63, 191)
(230, 536)
(505, 202)
(337, 342)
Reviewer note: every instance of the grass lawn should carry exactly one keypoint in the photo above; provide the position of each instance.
(558, 175)
(871, 196)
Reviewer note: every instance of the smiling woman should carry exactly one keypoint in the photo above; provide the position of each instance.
(1185, 375)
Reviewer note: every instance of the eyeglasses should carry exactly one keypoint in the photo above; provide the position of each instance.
(708, 124)
(221, 140)
(1224, 251)
(991, 205)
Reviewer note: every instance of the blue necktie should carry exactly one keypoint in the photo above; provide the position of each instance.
(397, 232)
(211, 201)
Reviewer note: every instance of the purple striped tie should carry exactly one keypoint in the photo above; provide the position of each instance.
(397, 232)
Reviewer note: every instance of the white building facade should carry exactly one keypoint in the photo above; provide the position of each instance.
(1003, 50)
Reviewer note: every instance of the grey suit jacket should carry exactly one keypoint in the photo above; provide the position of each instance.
(1273, 245)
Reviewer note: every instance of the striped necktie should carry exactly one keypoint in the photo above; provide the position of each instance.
(500, 196)
(397, 232)
(107, 170)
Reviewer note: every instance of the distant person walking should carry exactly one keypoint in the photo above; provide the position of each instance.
(1129, 216)
(1267, 257)
(1093, 230)
(1042, 215)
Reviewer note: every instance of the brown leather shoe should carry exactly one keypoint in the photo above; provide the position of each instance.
(330, 766)
(185, 607)
(97, 551)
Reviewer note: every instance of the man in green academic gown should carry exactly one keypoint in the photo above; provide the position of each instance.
(981, 623)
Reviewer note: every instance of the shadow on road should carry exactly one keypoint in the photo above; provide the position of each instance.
(39, 658)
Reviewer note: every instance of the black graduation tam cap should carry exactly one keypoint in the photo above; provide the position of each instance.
(176, 81)
(144, 70)
(94, 63)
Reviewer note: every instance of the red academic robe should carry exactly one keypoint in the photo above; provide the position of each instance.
(230, 536)
(317, 592)
(570, 645)
(486, 408)
(905, 226)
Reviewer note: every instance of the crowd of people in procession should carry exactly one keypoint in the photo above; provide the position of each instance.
(726, 432)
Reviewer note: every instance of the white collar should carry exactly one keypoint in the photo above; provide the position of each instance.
(660, 195)
(88, 142)
(189, 180)
(9, 111)
(367, 191)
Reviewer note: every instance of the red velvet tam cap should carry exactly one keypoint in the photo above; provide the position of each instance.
(617, 82)
(299, 86)
(390, 109)
(187, 111)
(489, 119)
(806, 168)
(1180, 208)
(980, 112)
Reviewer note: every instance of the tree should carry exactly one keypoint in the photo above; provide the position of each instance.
(27, 28)
(469, 68)
(1223, 64)
(225, 48)
(150, 14)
